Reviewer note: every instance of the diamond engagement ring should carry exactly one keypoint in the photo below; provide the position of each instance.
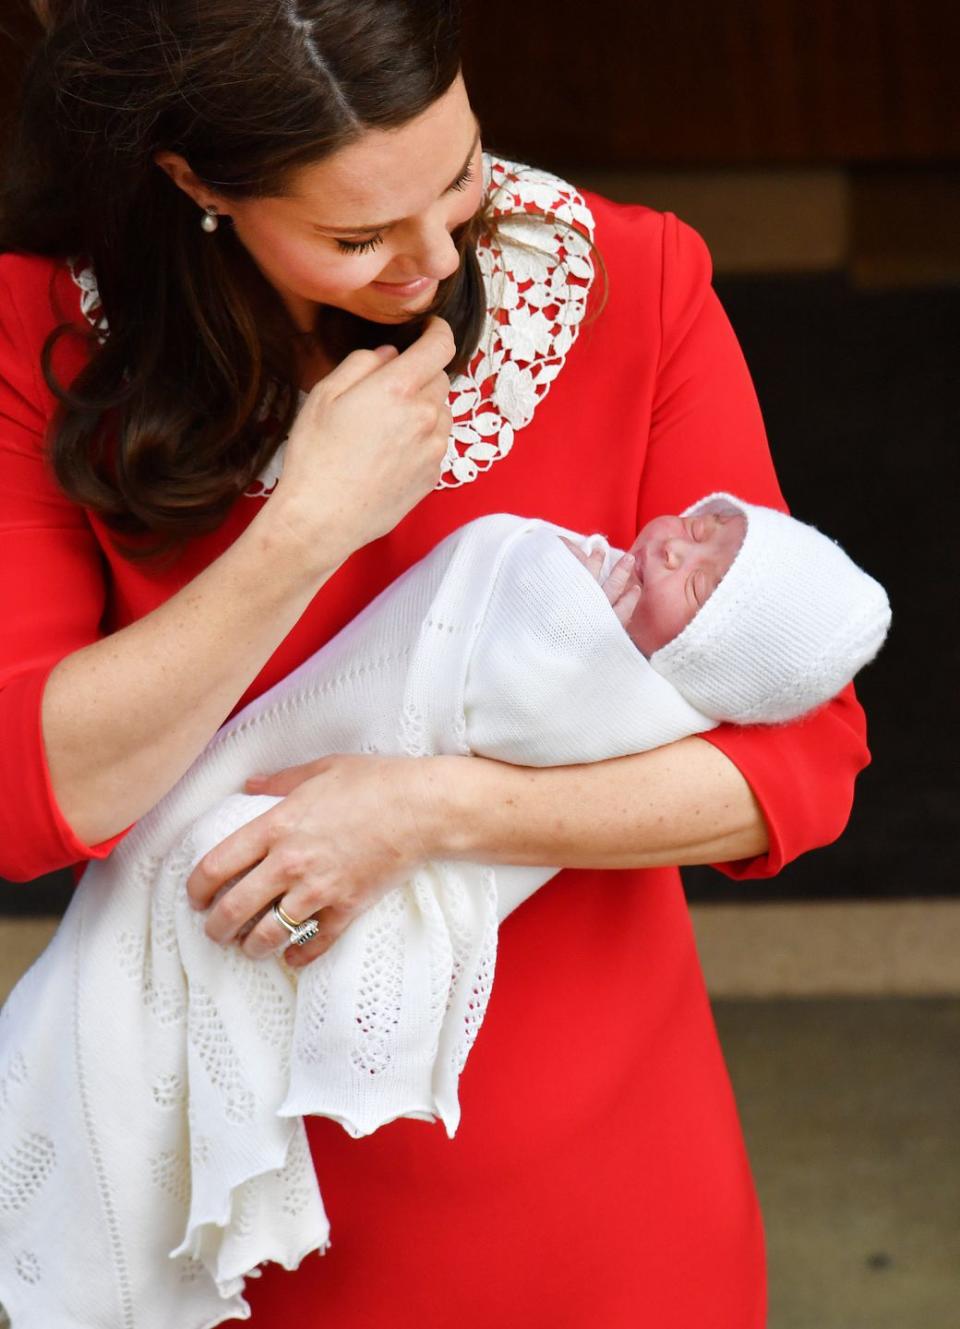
(299, 932)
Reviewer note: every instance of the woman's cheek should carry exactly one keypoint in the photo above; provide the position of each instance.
(470, 201)
(326, 276)
(310, 267)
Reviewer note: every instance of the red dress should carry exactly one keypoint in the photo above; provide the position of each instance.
(599, 1178)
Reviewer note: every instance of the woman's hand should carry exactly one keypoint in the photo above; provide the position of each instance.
(366, 447)
(344, 833)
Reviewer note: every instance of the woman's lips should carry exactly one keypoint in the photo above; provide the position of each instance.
(404, 289)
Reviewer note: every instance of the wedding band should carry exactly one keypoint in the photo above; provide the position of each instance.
(299, 932)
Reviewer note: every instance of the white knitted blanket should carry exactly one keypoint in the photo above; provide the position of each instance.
(153, 1084)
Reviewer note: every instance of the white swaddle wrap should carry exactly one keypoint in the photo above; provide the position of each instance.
(153, 1083)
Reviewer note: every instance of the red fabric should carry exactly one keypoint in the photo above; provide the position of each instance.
(599, 1177)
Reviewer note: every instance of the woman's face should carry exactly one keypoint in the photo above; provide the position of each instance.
(368, 229)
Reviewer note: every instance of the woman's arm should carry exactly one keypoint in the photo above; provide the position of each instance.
(351, 826)
(98, 728)
(123, 717)
(680, 804)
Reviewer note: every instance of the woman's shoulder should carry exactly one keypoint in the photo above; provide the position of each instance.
(648, 246)
(37, 295)
(644, 252)
(20, 271)
(40, 291)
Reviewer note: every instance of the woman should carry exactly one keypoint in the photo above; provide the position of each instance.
(225, 202)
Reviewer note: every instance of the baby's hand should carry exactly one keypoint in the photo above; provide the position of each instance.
(619, 587)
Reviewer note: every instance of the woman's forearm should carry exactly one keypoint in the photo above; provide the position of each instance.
(681, 804)
(124, 717)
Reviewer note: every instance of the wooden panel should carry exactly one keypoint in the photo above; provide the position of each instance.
(697, 82)
(693, 82)
(18, 30)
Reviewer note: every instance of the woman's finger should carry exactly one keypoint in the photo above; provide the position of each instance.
(353, 369)
(333, 922)
(419, 364)
(281, 783)
(269, 936)
(233, 857)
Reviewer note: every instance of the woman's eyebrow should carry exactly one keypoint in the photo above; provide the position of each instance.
(371, 227)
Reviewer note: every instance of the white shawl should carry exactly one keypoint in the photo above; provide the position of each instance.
(153, 1084)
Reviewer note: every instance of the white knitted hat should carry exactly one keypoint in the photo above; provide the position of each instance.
(788, 626)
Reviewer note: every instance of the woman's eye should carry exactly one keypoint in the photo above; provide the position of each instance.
(464, 180)
(359, 246)
(366, 246)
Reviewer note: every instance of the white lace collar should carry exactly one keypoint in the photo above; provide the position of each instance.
(536, 300)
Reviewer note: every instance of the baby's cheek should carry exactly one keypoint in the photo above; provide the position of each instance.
(657, 620)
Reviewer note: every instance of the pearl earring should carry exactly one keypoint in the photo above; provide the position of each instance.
(210, 221)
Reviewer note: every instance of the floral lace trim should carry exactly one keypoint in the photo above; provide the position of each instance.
(90, 306)
(537, 297)
(538, 277)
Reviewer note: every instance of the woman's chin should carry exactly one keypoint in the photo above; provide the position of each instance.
(416, 307)
(404, 316)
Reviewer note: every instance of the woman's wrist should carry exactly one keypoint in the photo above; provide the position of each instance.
(290, 543)
(444, 796)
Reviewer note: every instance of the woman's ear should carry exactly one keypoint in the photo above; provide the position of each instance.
(42, 11)
(182, 175)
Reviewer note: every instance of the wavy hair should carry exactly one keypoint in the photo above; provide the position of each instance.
(185, 401)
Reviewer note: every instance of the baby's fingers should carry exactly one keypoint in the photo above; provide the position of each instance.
(627, 603)
(592, 562)
(619, 577)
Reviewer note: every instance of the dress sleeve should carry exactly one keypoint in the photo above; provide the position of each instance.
(52, 595)
(707, 434)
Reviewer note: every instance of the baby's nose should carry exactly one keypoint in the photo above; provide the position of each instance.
(674, 552)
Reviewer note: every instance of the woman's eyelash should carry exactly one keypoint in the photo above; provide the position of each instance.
(359, 246)
(365, 246)
(464, 179)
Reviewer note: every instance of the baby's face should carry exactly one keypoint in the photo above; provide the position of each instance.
(679, 564)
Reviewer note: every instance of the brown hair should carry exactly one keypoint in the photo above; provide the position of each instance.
(247, 91)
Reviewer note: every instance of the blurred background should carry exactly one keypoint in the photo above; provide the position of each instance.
(815, 144)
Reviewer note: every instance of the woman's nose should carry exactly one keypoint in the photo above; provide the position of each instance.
(433, 253)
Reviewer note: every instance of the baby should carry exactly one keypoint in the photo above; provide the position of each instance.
(753, 616)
